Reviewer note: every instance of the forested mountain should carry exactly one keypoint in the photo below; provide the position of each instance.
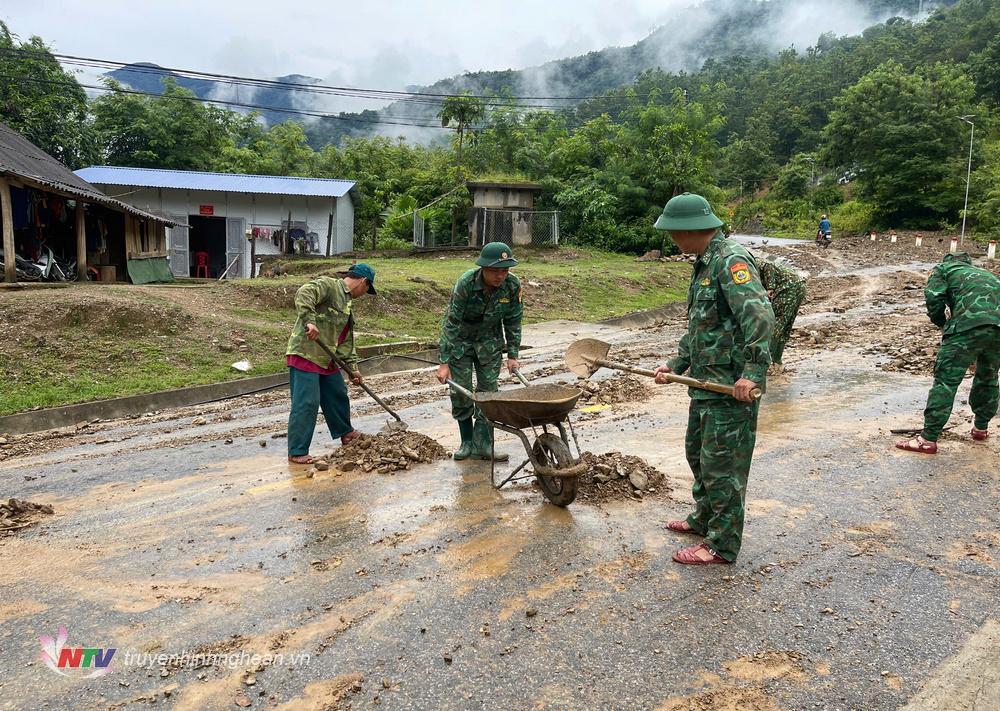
(708, 30)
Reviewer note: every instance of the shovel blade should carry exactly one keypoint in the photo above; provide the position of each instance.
(581, 355)
(394, 426)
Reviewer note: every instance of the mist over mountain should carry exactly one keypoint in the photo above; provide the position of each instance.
(707, 29)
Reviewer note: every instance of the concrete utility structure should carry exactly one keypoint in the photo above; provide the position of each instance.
(505, 212)
(48, 213)
(230, 217)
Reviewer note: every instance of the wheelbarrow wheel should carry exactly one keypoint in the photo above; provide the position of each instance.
(550, 450)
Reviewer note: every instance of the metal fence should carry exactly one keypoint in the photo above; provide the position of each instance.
(487, 224)
(514, 227)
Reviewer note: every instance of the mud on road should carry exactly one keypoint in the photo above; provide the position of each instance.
(864, 569)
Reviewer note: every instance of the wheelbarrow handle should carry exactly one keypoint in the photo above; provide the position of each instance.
(517, 374)
(343, 366)
(458, 388)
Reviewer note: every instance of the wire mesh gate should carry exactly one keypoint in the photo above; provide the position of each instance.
(514, 227)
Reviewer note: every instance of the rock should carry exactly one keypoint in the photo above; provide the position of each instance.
(263, 443)
(242, 701)
(638, 479)
(225, 348)
(322, 466)
(447, 658)
(239, 341)
(199, 421)
(243, 366)
(531, 612)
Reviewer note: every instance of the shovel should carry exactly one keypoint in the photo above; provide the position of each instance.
(588, 355)
(390, 427)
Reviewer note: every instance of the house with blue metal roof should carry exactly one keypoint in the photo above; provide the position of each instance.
(226, 221)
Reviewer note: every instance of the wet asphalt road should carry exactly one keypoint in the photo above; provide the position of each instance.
(863, 568)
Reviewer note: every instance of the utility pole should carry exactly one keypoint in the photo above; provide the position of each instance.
(968, 174)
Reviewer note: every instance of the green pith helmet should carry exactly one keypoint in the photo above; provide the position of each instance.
(497, 255)
(687, 212)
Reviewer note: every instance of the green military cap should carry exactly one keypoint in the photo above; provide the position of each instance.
(497, 255)
(687, 212)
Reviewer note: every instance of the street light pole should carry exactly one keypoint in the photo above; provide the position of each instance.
(968, 174)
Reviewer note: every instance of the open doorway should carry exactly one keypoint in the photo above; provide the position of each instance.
(207, 237)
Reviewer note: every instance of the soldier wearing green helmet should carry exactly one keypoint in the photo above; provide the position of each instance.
(484, 316)
(730, 323)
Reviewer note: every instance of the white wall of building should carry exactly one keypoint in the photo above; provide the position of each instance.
(254, 209)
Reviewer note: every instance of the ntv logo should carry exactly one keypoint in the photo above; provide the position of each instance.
(75, 661)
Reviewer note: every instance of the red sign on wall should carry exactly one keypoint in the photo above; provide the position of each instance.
(206, 209)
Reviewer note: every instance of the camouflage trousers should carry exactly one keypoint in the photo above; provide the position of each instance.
(958, 351)
(719, 447)
(786, 305)
(486, 373)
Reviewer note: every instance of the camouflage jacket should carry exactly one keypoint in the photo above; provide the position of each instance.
(971, 294)
(730, 320)
(479, 320)
(326, 302)
(777, 278)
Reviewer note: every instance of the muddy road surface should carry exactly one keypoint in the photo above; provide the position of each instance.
(869, 578)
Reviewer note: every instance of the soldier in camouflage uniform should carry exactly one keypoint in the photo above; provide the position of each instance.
(484, 312)
(786, 289)
(971, 335)
(730, 323)
(324, 313)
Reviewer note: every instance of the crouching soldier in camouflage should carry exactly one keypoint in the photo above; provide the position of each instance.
(730, 323)
(786, 289)
(971, 335)
(485, 310)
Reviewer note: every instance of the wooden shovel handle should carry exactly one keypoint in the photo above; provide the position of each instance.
(679, 379)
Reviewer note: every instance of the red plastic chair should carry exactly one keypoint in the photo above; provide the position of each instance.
(201, 265)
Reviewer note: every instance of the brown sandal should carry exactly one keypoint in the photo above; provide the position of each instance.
(681, 526)
(689, 556)
(917, 444)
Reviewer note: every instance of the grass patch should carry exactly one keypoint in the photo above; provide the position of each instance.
(89, 342)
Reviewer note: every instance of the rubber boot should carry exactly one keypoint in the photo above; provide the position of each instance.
(483, 443)
(464, 450)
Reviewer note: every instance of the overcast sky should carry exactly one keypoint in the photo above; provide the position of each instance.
(375, 43)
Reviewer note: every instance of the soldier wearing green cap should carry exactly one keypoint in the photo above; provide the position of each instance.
(324, 313)
(730, 323)
(484, 313)
(964, 301)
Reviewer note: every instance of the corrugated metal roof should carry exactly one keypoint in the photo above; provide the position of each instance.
(21, 158)
(216, 182)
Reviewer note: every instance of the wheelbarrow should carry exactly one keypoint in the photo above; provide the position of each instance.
(535, 407)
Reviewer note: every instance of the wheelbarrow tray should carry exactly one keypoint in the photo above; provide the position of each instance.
(526, 407)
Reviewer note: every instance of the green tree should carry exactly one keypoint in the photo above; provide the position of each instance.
(899, 131)
(43, 102)
(462, 110)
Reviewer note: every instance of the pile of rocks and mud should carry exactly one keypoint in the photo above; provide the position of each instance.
(916, 354)
(614, 476)
(384, 453)
(618, 388)
(17, 513)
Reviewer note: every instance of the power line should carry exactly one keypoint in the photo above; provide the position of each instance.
(301, 112)
(356, 92)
